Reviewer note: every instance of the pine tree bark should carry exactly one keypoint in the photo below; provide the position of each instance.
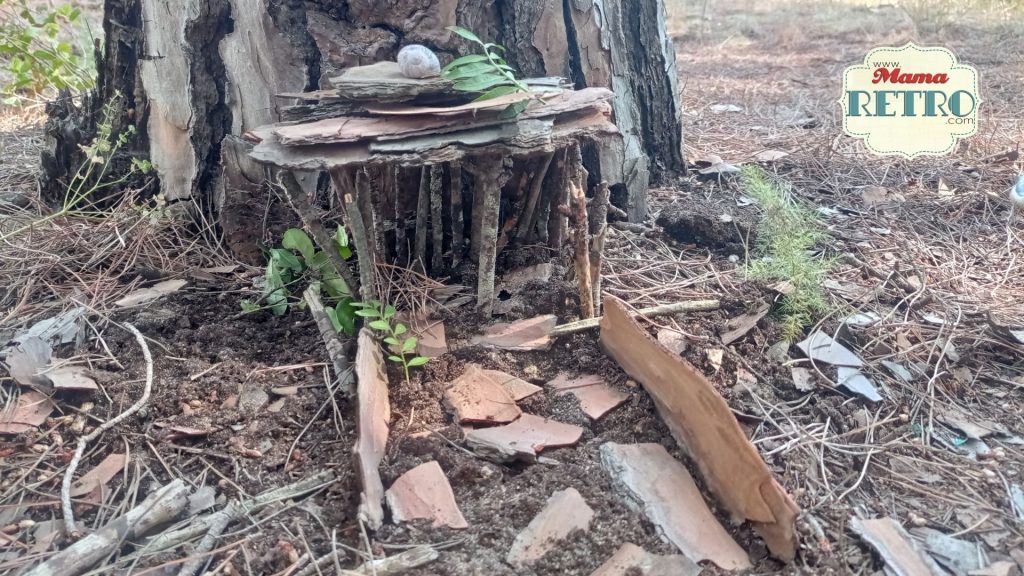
(195, 75)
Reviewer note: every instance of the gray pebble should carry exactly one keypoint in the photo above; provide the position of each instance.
(417, 61)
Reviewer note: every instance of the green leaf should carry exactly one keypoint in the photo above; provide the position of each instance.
(466, 34)
(368, 313)
(497, 91)
(389, 311)
(391, 340)
(248, 306)
(400, 329)
(481, 83)
(286, 259)
(381, 325)
(410, 344)
(418, 361)
(333, 315)
(398, 359)
(514, 109)
(465, 61)
(298, 240)
(340, 236)
(346, 316)
(276, 294)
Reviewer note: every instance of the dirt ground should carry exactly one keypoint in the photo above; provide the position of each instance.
(241, 402)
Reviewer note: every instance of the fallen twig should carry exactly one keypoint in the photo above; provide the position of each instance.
(663, 310)
(203, 524)
(335, 351)
(160, 507)
(65, 487)
(411, 558)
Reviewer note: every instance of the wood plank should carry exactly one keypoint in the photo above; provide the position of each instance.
(701, 422)
(373, 419)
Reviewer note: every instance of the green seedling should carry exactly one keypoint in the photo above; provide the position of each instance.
(381, 318)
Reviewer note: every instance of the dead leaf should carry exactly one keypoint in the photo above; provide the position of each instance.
(737, 327)
(143, 295)
(770, 155)
(715, 358)
(30, 411)
(28, 361)
(874, 195)
(99, 476)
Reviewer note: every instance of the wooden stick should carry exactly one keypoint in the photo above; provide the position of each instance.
(662, 310)
(458, 228)
(401, 244)
(597, 216)
(344, 185)
(581, 248)
(160, 507)
(490, 176)
(335, 350)
(311, 222)
(436, 221)
(524, 231)
(399, 563)
(370, 188)
(422, 212)
(557, 205)
(507, 228)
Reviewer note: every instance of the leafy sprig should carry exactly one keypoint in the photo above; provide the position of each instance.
(396, 334)
(486, 73)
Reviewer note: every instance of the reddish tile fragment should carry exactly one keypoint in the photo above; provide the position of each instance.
(476, 398)
(564, 512)
(424, 493)
(595, 397)
(522, 439)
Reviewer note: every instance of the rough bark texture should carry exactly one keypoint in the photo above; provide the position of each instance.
(194, 72)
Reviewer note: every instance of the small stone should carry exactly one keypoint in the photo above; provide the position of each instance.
(418, 61)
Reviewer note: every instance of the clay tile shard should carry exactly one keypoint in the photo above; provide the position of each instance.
(666, 493)
(100, 475)
(523, 439)
(529, 334)
(564, 512)
(631, 560)
(30, 411)
(729, 463)
(595, 397)
(372, 419)
(71, 378)
(430, 336)
(737, 327)
(517, 388)
(894, 545)
(476, 398)
(424, 493)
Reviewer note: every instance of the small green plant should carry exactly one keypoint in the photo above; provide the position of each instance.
(396, 334)
(297, 259)
(487, 73)
(786, 237)
(37, 57)
(93, 179)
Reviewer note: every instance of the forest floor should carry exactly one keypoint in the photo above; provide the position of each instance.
(243, 403)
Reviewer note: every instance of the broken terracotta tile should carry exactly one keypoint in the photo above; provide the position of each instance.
(672, 340)
(564, 512)
(71, 378)
(729, 463)
(977, 428)
(894, 545)
(632, 560)
(1001, 568)
(92, 483)
(522, 439)
(424, 493)
(476, 398)
(738, 327)
(516, 279)
(430, 337)
(30, 411)
(529, 334)
(372, 420)
(595, 397)
(660, 486)
(517, 388)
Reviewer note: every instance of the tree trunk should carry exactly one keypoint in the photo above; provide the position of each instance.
(195, 75)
